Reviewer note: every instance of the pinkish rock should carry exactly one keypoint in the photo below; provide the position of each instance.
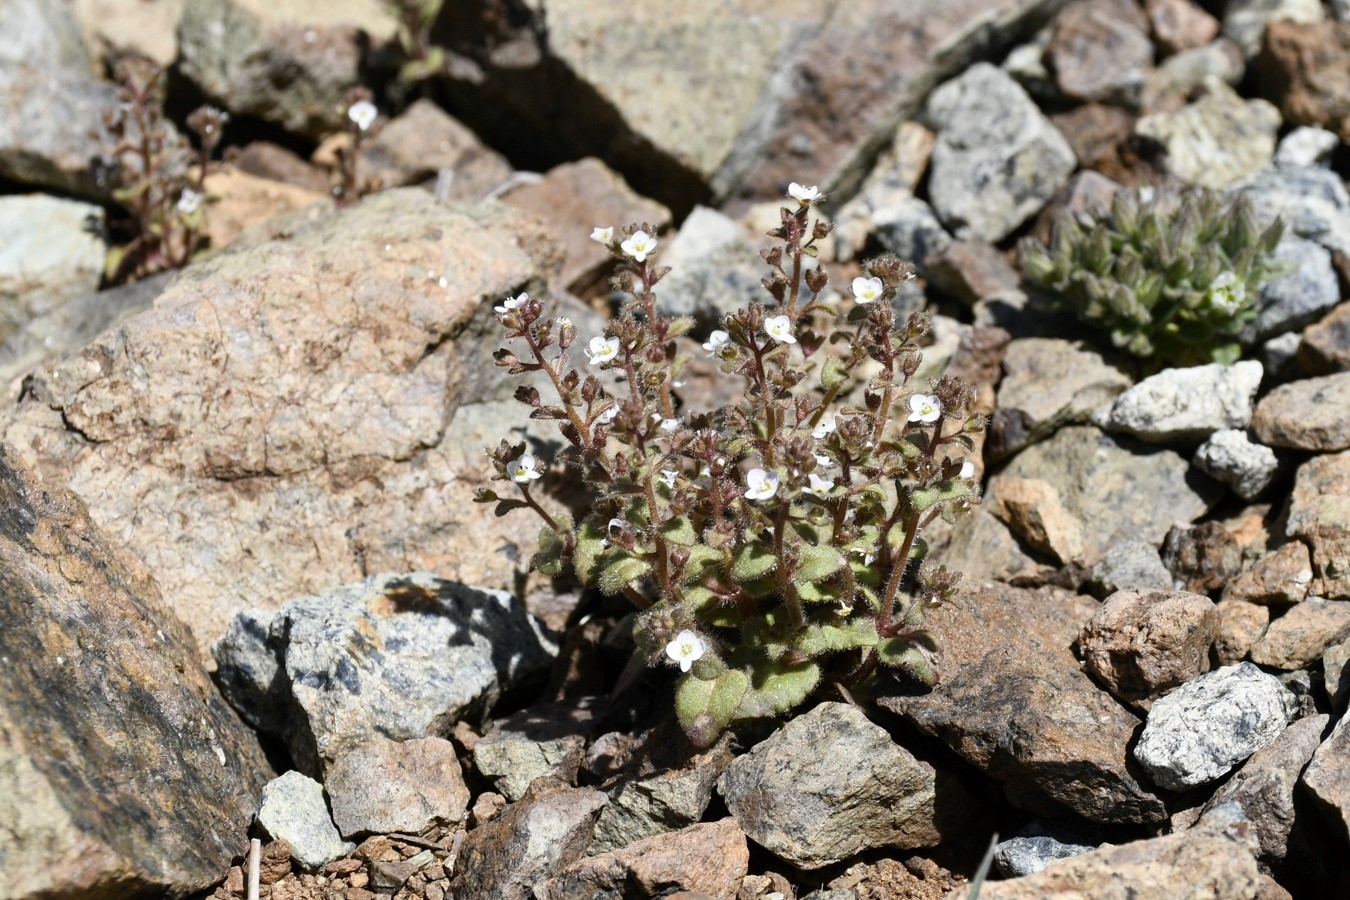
(1140, 643)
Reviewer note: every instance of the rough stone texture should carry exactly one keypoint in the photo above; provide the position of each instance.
(575, 198)
(1180, 24)
(909, 229)
(984, 550)
(1015, 702)
(1100, 50)
(1336, 674)
(715, 269)
(1319, 514)
(300, 411)
(1299, 295)
(1305, 70)
(1312, 202)
(1299, 637)
(1263, 789)
(1034, 512)
(534, 839)
(1101, 482)
(1200, 731)
(241, 201)
(293, 810)
(1326, 344)
(424, 141)
(1048, 383)
(1099, 135)
(1306, 415)
(1188, 405)
(1328, 777)
(672, 797)
(1277, 354)
(707, 859)
(1229, 456)
(407, 786)
(147, 28)
(830, 784)
(539, 741)
(997, 160)
(1216, 141)
(50, 251)
(1244, 21)
(1140, 643)
(1281, 577)
(121, 769)
(1020, 856)
(1201, 558)
(238, 53)
(1241, 625)
(893, 178)
(1191, 864)
(276, 163)
(1305, 146)
(1169, 87)
(970, 271)
(1128, 566)
(403, 656)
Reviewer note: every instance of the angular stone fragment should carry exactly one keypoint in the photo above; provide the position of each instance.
(1299, 637)
(1335, 673)
(893, 179)
(1306, 146)
(1328, 777)
(1201, 558)
(1305, 70)
(970, 271)
(1326, 344)
(1188, 405)
(51, 250)
(406, 786)
(1128, 566)
(645, 804)
(984, 550)
(294, 810)
(422, 143)
(1319, 514)
(241, 201)
(909, 229)
(1241, 625)
(715, 269)
(1180, 24)
(1169, 87)
(1306, 415)
(1020, 856)
(1245, 21)
(1035, 513)
(1304, 289)
(1216, 141)
(1100, 50)
(114, 28)
(1140, 643)
(540, 741)
(1229, 456)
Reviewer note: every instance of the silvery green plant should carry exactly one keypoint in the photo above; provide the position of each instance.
(1170, 278)
(771, 544)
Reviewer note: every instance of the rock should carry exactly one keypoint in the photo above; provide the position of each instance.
(1191, 864)
(1201, 558)
(533, 840)
(1312, 202)
(241, 201)
(1128, 566)
(1048, 383)
(1244, 21)
(1026, 63)
(576, 197)
(970, 271)
(1216, 141)
(1303, 69)
(1187, 405)
(1013, 701)
(1300, 636)
(1319, 515)
(643, 805)
(909, 229)
(236, 52)
(1141, 643)
(407, 786)
(1325, 348)
(1200, 731)
(1306, 415)
(893, 179)
(1337, 677)
(1169, 87)
(1035, 513)
(1180, 24)
(1327, 777)
(715, 269)
(1299, 295)
(1241, 625)
(423, 141)
(1230, 457)
(117, 28)
(1086, 196)
(1306, 146)
(709, 858)
(1279, 578)
(402, 656)
(293, 810)
(1020, 856)
(121, 768)
(314, 391)
(830, 784)
(1277, 355)
(51, 250)
(1100, 50)
(539, 741)
(984, 550)
(1263, 789)
(1099, 135)
(997, 160)
(276, 163)
(1098, 481)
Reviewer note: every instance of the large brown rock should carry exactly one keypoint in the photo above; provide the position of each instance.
(1140, 643)
(298, 411)
(1015, 703)
(1327, 777)
(1319, 514)
(1099, 50)
(1306, 415)
(121, 769)
(1304, 68)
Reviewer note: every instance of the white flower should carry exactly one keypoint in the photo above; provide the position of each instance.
(603, 235)
(924, 408)
(667, 477)
(818, 487)
(608, 415)
(823, 428)
(686, 649)
(523, 469)
(564, 321)
(803, 194)
(716, 341)
(967, 469)
(780, 329)
(363, 114)
(1226, 292)
(760, 485)
(823, 459)
(669, 425)
(511, 303)
(189, 201)
(602, 349)
(867, 290)
(639, 246)
(613, 526)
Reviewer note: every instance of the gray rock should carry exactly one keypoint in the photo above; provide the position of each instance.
(643, 807)
(542, 740)
(1188, 405)
(997, 160)
(1216, 141)
(1231, 457)
(1312, 202)
(1279, 354)
(1128, 565)
(909, 229)
(830, 784)
(984, 550)
(1327, 777)
(1306, 146)
(403, 656)
(893, 179)
(1026, 63)
(1336, 674)
(250, 671)
(1306, 415)
(715, 269)
(1167, 87)
(1100, 50)
(50, 251)
(1020, 856)
(1244, 21)
(1298, 296)
(406, 786)
(293, 810)
(1200, 731)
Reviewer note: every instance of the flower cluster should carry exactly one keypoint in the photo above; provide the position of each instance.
(771, 543)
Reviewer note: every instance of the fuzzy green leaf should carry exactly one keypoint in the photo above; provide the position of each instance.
(705, 708)
(817, 563)
(552, 549)
(817, 640)
(703, 562)
(590, 545)
(680, 531)
(818, 593)
(753, 561)
(777, 689)
(926, 498)
(833, 374)
(622, 572)
(913, 655)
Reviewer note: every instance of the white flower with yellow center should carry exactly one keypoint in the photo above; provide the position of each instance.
(603, 235)
(804, 195)
(687, 649)
(189, 201)
(639, 245)
(867, 290)
(716, 341)
(1227, 292)
(925, 408)
(818, 487)
(760, 485)
(780, 329)
(512, 303)
(363, 114)
(601, 349)
(523, 469)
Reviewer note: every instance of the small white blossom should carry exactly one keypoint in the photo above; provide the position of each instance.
(667, 477)
(613, 526)
(602, 349)
(669, 425)
(760, 485)
(823, 428)
(523, 469)
(639, 246)
(189, 201)
(1227, 292)
(867, 290)
(603, 235)
(925, 408)
(686, 649)
(780, 329)
(818, 486)
(823, 459)
(608, 415)
(967, 469)
(363, 114)
(716, 341)
(511, 303)
(803, 194)
(868, 557)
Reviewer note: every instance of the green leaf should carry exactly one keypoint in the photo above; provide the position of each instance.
(590, 546)
(552, 550)
(680, 531)
(913, 655)
(817, 563)
(924, 499)
(703, 562)
(705, 708)
(818, 593)
(753, 561)
(622, 572)
(816, 640)
(833, 374)
(777, 689)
